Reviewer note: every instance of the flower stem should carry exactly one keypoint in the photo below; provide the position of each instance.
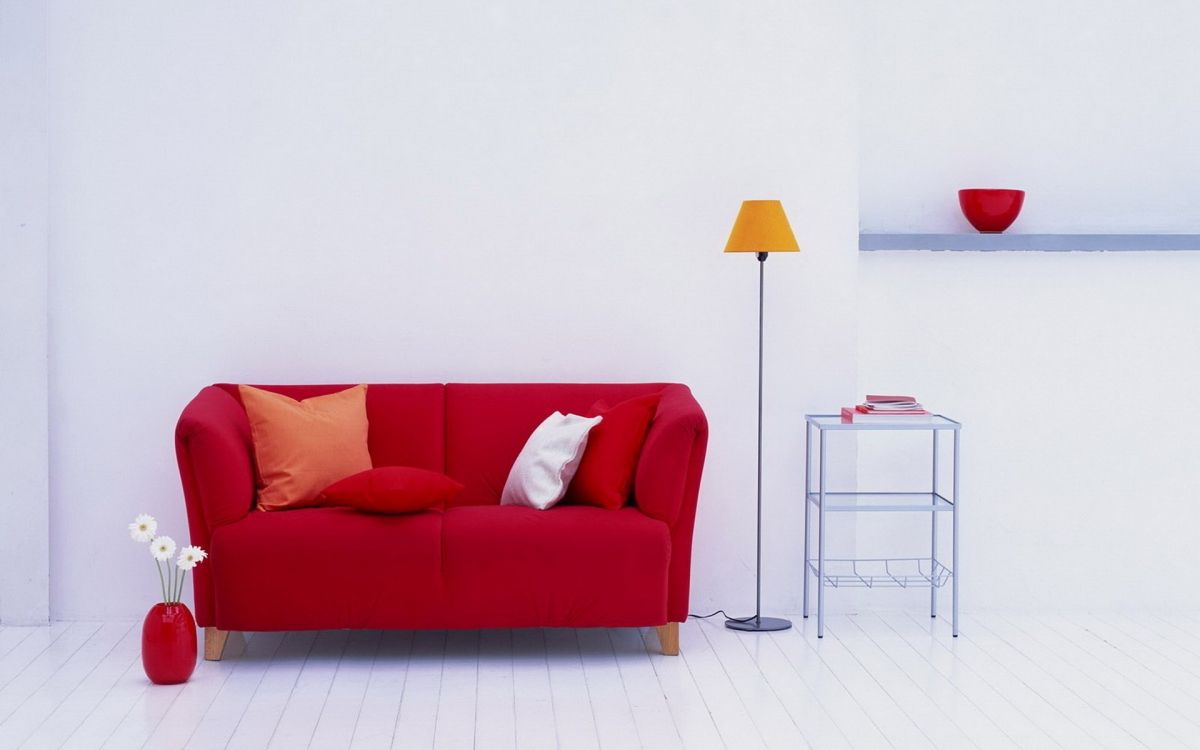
(182, 577)
(162, 581)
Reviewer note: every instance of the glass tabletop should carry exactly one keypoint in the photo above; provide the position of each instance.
(857, 502)
(834, 422)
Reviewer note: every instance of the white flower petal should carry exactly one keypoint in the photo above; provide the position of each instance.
(162, 548)
(190, 557)
(143, 528)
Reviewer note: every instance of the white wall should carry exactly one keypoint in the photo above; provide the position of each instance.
(24, 491)
(359, 191)
(1086, 105)
(364, 191)
(1074, 373)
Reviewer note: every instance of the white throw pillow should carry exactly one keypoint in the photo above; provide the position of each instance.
(545, 466)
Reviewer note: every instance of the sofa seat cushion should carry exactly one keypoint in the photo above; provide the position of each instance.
(328, 568)
(570, 566)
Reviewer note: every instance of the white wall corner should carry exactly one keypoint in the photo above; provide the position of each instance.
(24, 197)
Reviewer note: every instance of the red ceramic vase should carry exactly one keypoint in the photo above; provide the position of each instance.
(991, 210)
(169, 644)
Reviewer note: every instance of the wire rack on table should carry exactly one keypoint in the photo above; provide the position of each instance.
(883, 572)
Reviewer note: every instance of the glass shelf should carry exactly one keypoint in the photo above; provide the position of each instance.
(973, 241)
(834, 422)
(885, 502)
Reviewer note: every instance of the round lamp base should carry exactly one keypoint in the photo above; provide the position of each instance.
(759, 624)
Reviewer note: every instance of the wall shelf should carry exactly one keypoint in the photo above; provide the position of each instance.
(869, 241)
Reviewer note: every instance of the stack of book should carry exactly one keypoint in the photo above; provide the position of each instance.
(887, 409)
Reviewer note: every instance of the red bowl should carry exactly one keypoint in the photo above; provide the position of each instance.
(991, 210)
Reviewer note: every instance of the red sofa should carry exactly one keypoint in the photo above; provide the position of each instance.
(476, 564)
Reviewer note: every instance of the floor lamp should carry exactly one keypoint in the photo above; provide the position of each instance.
(761, 227)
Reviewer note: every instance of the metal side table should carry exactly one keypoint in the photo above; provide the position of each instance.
(911, 572)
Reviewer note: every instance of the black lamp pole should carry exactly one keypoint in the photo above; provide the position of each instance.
(758, 623)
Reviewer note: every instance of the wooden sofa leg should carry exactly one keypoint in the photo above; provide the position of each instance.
(214, 643)
(668, 638)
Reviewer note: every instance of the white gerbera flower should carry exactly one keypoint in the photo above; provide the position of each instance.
(143, 528)
(190, 557)
(162, 547)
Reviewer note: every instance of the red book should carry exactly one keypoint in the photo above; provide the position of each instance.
(864, 409)
(851, 414)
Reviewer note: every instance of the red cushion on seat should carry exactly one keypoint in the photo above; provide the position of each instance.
(392, 489)
(328, 568)
(570, 566)
(605, 475)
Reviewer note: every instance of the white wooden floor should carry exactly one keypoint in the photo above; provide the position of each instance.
(878, 680)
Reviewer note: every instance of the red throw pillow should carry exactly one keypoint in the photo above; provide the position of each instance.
(605, 474)
(392, 489)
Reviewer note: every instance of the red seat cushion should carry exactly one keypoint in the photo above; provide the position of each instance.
(570, 566)
(328, 568)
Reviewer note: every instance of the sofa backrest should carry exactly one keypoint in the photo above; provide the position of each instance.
(487, 424)
(406, 423)
(469, 431)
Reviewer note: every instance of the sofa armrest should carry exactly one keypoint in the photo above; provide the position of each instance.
(667, 484)
(674, 446)
(212, 445)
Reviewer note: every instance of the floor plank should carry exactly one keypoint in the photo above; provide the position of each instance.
(495, 710)
(1059, 686)
(960, 716)
(615, 725)
(998, 708)
(1011, 681)
(11, 637)
(459, 691)
(805, 708)
(343, 704)
(574, 720)
(1150, 637)
(307, 699)
(888, 717)
(223, 714)
(1109, 693)
(23, 711)
(418, 716)
(845, 711)
(777, 727)
(152, 703)
(85, 700)
(1072, 692)
(655, 727)
(728, 711)
(40, 671)
(1177, 713)
(533, 701)
(31, 648)
(689, 712)
(260, 714)
(877, 681)
(376, 727)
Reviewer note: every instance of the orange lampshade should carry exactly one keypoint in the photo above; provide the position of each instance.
(761, 227)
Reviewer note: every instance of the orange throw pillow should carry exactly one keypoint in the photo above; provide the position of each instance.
(304, 446)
